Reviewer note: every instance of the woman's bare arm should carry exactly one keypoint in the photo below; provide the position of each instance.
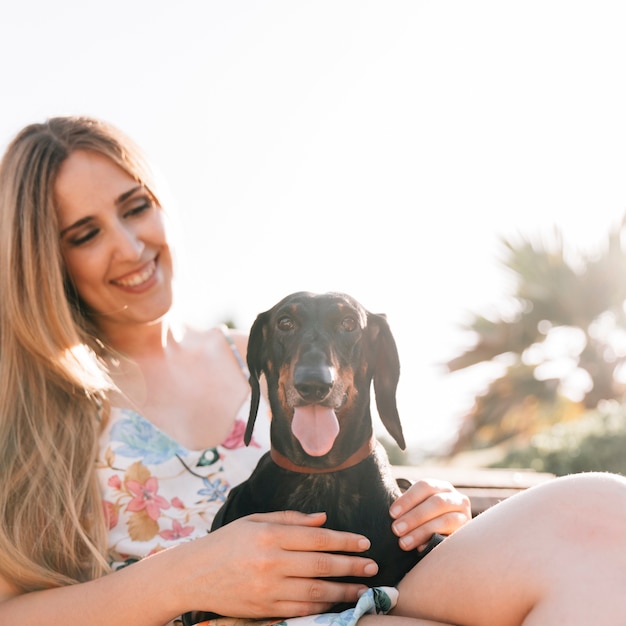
(136, 595)
(278, 558)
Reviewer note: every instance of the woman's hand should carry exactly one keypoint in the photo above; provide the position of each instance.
(270, 564)
(428, 507)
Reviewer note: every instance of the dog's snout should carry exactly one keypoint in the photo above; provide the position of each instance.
(313, 383)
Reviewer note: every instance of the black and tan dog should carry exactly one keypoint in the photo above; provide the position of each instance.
(319, 354)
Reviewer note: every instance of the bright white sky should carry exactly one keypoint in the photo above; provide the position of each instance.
(375, 147)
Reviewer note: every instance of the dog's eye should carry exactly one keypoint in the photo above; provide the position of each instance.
(285, 323)
(348, 324)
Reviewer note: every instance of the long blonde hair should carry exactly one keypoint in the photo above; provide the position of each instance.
(53, 384)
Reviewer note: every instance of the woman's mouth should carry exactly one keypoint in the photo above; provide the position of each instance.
(136, 279)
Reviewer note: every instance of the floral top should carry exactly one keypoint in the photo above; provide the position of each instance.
(156, 492)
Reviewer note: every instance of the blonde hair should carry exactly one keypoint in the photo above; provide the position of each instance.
(53, 383)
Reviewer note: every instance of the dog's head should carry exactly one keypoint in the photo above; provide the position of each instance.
(319, 354)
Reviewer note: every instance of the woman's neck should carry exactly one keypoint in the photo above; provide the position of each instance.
(139, 360)
(142, 341)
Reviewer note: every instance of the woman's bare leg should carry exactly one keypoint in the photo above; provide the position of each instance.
(393, 620)
(554, 554)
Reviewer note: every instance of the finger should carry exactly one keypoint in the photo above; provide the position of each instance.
(316, 596)
(419, 492)
(326, 565)
(289, 518)
(307, 563)
(297, 596)
(437, 505)
(446, 514)
(444, 525)
(296, 537)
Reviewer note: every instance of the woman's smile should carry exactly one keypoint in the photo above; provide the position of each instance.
(138, 280)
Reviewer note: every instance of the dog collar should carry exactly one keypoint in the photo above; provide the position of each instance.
(354, 459)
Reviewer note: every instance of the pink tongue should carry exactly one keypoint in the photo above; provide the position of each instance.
(316, 428)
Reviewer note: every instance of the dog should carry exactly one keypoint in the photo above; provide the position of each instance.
(319, 354)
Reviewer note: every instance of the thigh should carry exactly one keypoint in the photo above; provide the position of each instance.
(558, 549)
(394, 620)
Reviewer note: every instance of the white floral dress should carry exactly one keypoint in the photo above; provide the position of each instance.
(158, 493)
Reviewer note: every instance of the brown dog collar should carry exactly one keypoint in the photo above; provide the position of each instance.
(354, 459)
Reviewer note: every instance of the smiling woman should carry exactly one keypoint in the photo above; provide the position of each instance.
(113, 239)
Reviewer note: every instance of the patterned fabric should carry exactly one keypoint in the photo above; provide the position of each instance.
(375, 601)
(157, 493)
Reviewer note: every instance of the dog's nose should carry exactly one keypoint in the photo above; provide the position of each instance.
(313, 383)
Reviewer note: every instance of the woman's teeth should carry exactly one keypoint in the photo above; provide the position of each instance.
(138, 278)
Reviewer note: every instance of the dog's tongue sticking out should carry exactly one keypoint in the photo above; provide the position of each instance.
(316, 428)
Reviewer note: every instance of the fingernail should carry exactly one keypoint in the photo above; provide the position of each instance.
(394, 511)
(399, 527)
(407, 542)
(371, 569)
(364, 543)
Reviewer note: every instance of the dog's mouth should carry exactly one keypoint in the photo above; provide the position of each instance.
(315, 427)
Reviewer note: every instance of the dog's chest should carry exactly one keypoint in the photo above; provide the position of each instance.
(356, 499)
(314, 492)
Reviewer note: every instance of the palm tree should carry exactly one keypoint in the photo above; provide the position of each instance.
(561, 350)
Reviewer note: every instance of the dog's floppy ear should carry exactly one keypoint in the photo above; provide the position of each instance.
(386, 375)
(256, 358)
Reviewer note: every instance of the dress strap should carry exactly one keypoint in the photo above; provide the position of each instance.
(235, 350)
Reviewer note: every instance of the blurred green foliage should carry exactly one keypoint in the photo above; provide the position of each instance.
(595, 442)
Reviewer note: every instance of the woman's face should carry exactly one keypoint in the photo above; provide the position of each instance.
(113, 241)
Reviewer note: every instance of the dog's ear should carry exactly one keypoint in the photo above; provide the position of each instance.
(386, 375)
(256, 357)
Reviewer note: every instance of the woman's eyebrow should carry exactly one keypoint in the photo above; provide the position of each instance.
(77, 224)
(127, 194)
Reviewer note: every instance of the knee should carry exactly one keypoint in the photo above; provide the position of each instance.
(588, 488)
(594, 503)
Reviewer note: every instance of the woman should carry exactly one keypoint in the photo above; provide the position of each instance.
(91, 368)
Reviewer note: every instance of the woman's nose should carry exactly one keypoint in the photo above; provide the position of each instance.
(127, 243)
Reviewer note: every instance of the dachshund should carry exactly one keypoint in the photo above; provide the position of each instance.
(319, 354)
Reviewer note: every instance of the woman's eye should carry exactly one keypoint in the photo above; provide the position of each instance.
(83, 238)
(138, 209)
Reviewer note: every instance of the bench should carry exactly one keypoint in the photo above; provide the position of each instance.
(484, 487)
